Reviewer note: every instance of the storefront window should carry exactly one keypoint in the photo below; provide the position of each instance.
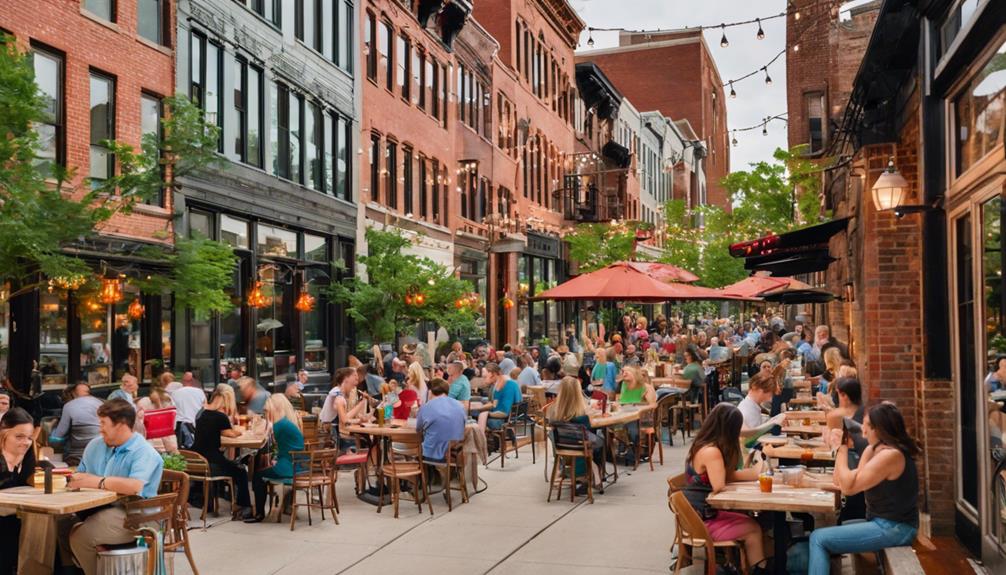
(234, 232)
(315, 322)
(523, 285)
(126, 335)
(53, 353)
(4, 334)
(315, 248)
(993, 255)
(95, 344)
(979, 112)
(231, 346)
(538, 307)
(274, 353)
(554, 327)
(965, 302)
(167, 313)
(276, 241)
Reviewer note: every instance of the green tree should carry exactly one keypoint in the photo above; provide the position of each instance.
(593, 246)
(384, 305)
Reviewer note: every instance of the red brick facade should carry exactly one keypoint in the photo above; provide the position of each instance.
(674, 73)
(138, 66)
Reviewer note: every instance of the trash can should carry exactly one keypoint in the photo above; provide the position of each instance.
(129, 561)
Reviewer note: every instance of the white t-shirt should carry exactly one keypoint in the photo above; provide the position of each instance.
(751, 412)
(188, 401)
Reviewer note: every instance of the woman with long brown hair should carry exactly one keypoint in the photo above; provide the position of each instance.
(888, 476)
(570, 406)
(712, 463)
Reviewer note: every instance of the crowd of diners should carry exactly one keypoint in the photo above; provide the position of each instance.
(105, 440)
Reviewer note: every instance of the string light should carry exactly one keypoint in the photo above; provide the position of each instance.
(764, 128)
(734, 141)
(764, 68)
(733, 93)
(723, 40)
(768, 79)
(761, 33)
(590, 39)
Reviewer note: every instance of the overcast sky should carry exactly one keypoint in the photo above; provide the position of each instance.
(754, 99)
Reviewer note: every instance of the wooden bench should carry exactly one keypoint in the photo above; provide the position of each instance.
(900, 561)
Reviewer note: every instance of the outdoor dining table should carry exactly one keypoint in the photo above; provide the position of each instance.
(39, 512)
(803, 430)
(810, 415)
(252, 440)
(604, 422)
(797, 454)
(747, 496)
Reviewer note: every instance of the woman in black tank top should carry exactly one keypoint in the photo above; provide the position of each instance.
(888, 477)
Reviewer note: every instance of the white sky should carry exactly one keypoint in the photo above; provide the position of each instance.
(755, 100)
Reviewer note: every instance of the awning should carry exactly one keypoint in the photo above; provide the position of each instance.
(623, 282)
(800, 251)
(759, 285)
(798, 296)
(617, 153)
(597, 91)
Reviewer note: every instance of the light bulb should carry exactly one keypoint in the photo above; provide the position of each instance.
(796, 47)
(764, 129)
(761, 33)
(768, 79)
(733, 93)
(734, 141)
(723, 40)
(590, 39)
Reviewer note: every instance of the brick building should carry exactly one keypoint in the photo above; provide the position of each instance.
(921, 268)
(674, 73)
(282, 82)
(103, 69)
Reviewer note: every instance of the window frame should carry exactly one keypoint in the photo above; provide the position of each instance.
(112, 11)
(163, 31)
(94, 73)
(370, 42)
(150, 96)
(59, 116)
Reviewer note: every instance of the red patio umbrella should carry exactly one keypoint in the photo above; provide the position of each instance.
(761, 285)
(665, 272)
(622, 281)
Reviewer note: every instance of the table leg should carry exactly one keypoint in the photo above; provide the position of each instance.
(780, 532)
(37, 548)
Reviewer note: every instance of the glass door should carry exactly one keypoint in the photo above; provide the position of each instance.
(964, 297)
(993, 389)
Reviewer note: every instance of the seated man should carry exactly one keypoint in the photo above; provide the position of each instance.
(760, 390)
(78, 423)
(441, 420)
(505, 393)
(253, 394)
(120, 461)
(461, 386)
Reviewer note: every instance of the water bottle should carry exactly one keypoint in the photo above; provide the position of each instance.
(388, 410)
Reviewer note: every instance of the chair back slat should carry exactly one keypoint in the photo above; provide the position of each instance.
(568, 435)
(691, 525)
(154, 509)
(195, 464)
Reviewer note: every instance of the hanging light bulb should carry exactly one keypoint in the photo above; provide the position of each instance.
(733, 93)
(723, 40)
(256, 298)
(111, 290)
(761, 33)
(135, 309)
(764, 128)
(768, 79)
(796, 47)
(590, 37)
(734, 141)
(305, 301)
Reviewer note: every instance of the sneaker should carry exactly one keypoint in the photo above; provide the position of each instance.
(253, 518)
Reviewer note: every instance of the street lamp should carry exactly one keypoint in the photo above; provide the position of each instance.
(889, 189)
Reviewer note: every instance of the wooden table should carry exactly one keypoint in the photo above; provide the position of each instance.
(669, 382)
(797, 453)
(800, 402)
(746, 496)
(247, 440)
(604, 422)
(804, 430)
(811, 414)
(39, 512)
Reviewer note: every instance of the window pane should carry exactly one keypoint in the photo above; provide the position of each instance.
(102, 8)
(342, 159)
(254, 105)
(315, 323)
(53, 345)
(417, 78)
(148, 19)
(407, 180)
(277, 143)
(312, 116)
(384, 45)
(295, 142)
(48, 76)
(392, 175)
(309, 22)
(433, 73)
(403, 58)
(200, 225)
(238, 103)
(375, 170)
(424, 184)
(346, 36)
(274, 241)
(327, 43)
(368, 43)
(315, 248)
(329, 151)
(102, 117)
(213, 86)
(150, 123)
(233, 231)
(979, 112)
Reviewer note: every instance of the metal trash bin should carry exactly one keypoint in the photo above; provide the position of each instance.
(130, 561)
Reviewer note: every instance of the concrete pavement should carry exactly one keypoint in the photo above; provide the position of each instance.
(507, 529)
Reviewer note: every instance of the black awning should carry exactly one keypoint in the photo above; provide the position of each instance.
(617, 153)
(800, 251)
(597, 91)
(797, 296)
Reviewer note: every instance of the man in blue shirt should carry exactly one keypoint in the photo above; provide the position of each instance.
(441, 420)
(505, 394)
(528, 374)
(461, 386)
(120, 461)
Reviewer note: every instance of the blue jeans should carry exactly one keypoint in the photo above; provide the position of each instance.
(872, 535)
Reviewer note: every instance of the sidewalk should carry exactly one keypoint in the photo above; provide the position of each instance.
(507, 529)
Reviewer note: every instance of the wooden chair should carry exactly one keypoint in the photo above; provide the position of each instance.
(691, 532)
(314, 470)
(540, 416)
(571, 443)
(405, 463)
(453, 459)
(509, 429)
(650, 422)
(198, 469)
(177, 482)
(141, 514)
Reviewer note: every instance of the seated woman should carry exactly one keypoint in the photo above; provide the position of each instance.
(571, 407)
(212, 424)
(888, 476)
(17, 468)
(286, 430)
(158, 398)
(504, 393)
(712, 462)
(635, 390)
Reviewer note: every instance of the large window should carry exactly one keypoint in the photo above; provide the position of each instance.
(102, 107)
(150, 20)
(271, 10)
(391, 174)
(206, 79)
(150, 126)
(979, 112)
(344, 38)
(104, 9)
(993, 264)
(343, 158)
(404, 57)
(407, 180)
(308, 23)
(385, 45)
(49, 76)
(814, 109)
(287, 144)
(248, 112)
(312, 146)
(375, 167)
(369, 32)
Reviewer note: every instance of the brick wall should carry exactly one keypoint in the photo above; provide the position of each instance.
(113, 48)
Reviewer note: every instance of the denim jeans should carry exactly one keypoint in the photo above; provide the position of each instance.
(872, 535)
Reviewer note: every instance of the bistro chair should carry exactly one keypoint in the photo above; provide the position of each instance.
(177, 482)
(454, 459)
(198, 469)
(509, 430)
(671, 407)
(147, 516)
(570, 444)
(314, 471)
(691, 532)
(405, 463)
(650, 422)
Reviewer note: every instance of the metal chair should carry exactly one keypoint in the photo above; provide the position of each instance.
(406, 462)
(314, 470)
(571, 443)
(691, 532)
(177, 482)
(509, 429)
(198, 469)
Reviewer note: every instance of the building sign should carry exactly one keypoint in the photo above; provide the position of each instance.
(542, 246)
